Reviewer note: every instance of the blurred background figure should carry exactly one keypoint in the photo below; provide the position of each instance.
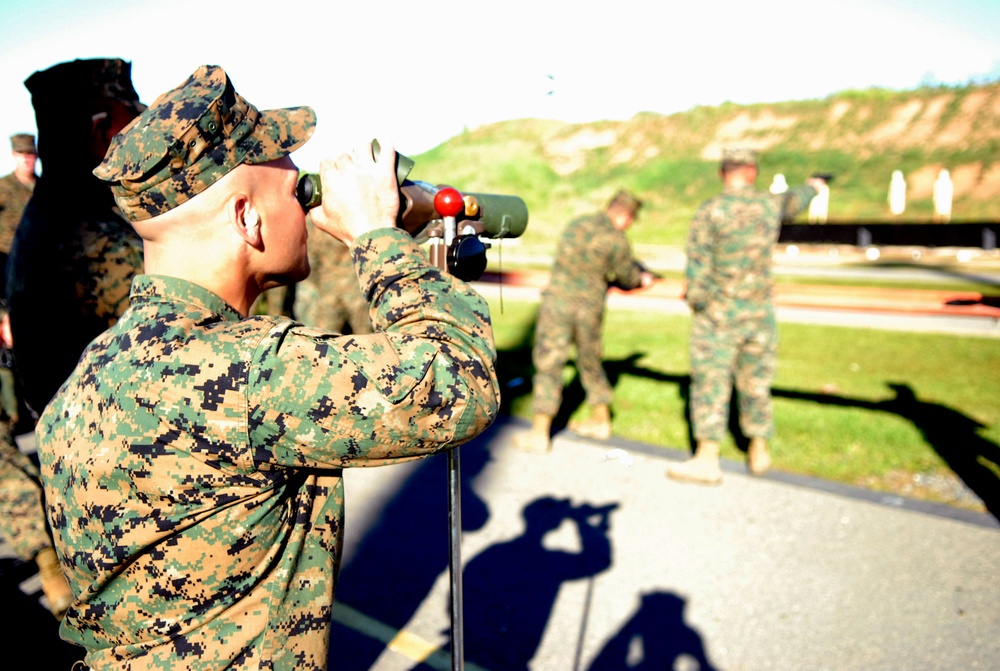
(593, 254)
(734, 334)
(15, 191)
(330, 298)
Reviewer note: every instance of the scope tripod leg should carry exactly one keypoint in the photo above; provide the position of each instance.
(455, 562)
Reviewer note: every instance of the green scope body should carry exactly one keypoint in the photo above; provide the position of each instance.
(493, 215)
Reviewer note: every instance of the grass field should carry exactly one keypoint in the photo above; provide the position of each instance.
(902, 412)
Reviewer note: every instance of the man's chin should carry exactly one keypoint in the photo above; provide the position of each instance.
(285, 279)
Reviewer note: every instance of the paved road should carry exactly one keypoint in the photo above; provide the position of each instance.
(780, 572)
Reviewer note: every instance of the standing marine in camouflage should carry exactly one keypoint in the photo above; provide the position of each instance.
(330, 298)
(593, 253)
(733, 330)
(74, 254)
(16, 188)
(192, 462)
(69, 268)
(15, 192)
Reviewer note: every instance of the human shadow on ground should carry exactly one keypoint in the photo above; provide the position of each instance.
(396, 564)
(951, 433)
(655, 637)
(28, 627)
(511, 587)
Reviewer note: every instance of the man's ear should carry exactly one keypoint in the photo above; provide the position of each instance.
(245, 220)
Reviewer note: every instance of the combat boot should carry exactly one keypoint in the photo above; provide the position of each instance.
(597, 426)
(537, 439)
(758, 458)
(54, 583)
(703, 468)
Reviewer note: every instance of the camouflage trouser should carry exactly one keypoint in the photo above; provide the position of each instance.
(724, 351)
(562, 323)
(22, 516)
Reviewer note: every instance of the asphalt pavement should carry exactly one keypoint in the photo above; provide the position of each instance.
(774, 572)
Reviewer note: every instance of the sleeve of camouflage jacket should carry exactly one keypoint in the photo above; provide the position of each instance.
(625, 271)
(423, 382)
(699, 258)
(797, 199)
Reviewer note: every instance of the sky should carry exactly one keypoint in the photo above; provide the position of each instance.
(419, 73)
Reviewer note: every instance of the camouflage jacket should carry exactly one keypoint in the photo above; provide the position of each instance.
(591, 255)
(730, 244)
(68, 279)
(192, 462)
(14, 196)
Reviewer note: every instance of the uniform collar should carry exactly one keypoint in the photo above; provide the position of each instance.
(161, 288)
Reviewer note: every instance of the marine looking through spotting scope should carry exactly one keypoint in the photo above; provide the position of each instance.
(453, 222)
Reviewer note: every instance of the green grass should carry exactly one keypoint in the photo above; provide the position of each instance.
(858, 406)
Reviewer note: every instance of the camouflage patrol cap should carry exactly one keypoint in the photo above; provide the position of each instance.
(627, 200)
(190, 137)
(23, 143)
(739, 156)
(80, 82)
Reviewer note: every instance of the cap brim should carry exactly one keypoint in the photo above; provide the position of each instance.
(279, 132)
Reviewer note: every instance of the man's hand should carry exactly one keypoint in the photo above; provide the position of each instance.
(360, 193)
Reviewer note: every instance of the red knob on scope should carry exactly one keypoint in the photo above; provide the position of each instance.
(448, 202)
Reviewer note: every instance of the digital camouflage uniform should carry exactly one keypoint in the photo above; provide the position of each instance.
(733, 329)
(193, 460)
(591, 255)
(68, 272)
(14, 196)
(330, 298)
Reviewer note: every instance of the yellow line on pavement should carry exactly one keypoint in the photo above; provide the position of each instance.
(400, 641)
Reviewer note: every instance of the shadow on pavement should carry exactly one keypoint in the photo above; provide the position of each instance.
(511, 587)
(655, 637)
(397, 563)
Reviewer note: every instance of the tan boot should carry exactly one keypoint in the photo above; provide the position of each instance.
(758, 458)
(597, 426)
(54, 583)
(537, 439)
(703, 468)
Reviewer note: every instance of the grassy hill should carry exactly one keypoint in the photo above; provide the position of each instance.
(563, 170)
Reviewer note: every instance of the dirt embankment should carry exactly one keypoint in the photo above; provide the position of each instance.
(949, 120)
